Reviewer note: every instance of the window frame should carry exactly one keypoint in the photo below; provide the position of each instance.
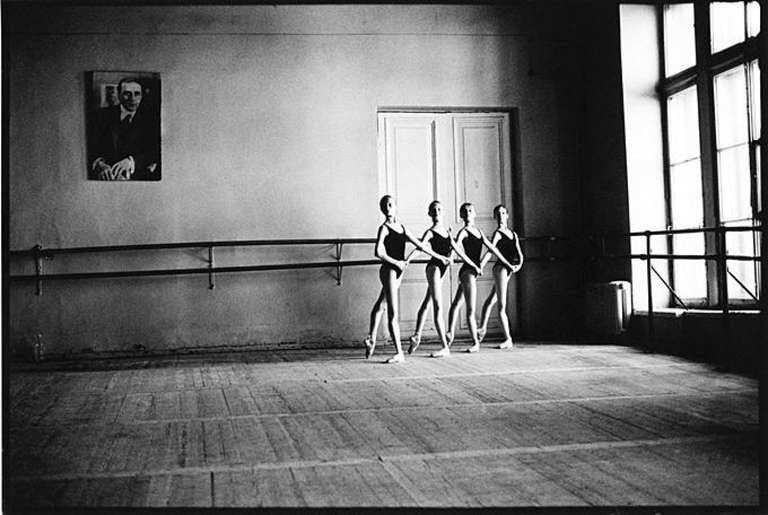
(701, 75)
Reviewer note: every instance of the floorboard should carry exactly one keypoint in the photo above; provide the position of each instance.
(541, 425)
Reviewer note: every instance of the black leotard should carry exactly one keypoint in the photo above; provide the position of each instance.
(441, 245)
(508, 248)
(473, 246)
(394, 244)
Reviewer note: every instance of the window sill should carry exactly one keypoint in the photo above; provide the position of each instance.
(678, 312)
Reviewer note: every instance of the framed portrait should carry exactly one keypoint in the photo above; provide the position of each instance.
(123, 126)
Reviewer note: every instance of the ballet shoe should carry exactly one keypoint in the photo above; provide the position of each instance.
(480, 335)
(370, 345)
(449, 338)
(506, 345)
(415, 341)
(474, 348)
(442, 353)
(397, 358)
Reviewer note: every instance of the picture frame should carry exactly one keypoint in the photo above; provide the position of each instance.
(123, 126)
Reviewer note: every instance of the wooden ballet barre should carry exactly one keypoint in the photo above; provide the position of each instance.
(222, 269)
(181, 245)
(39, 253)
(187, 271)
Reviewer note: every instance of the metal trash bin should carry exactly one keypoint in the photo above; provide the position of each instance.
(625, 288)
(607, 308)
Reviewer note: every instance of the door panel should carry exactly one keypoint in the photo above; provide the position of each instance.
(480, 166)
(416, 162)
(410, 176)
(411, 167)
(481, 175)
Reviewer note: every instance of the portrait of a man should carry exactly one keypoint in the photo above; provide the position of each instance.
(123, 126)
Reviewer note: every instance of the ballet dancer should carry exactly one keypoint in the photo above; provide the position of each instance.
(439, 238)
(472, 240)
(508, 244)
(390, 248)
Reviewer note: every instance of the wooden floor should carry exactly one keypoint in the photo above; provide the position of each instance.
(550, 425)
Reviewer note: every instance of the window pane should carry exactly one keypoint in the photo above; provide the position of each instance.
(727, 22)
(685, 195)
(687, 212)
(679, 43)
(731, 107)
(735, 188)
(753, 19)
(683, 122)
(758, 189)
(690, 275)
(754, 98)
(745, 272)
(741, 244)
(659, 292)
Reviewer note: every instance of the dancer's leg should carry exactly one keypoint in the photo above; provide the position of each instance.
(486, 314)
(453, 313)
(420, 319)
(378, 309)
(391, 283)
(435, 290)
(470, 297)
(501, 277)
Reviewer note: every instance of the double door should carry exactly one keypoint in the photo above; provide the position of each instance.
(453, 158)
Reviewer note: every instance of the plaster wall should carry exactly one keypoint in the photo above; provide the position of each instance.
(268, 132)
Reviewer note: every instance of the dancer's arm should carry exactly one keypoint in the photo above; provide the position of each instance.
(518, 266)
(420, 245)
(499, 256)
(424, 239)
(381, 251)
(460, 251)
(494, 241)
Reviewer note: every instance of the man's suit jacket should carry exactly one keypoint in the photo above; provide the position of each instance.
(113, 140)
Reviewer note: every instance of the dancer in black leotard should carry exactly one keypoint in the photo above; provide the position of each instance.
(473, 247)
(390, 248)
(472, 240)
(509, 245)
(439, 238)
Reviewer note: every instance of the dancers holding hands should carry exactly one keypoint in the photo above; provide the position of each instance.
(439, 245)
(472, 240)
(390, 248)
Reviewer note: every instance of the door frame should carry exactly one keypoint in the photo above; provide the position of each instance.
(515, 164)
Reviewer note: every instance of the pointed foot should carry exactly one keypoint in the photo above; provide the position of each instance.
(442, 353)
(370, 346)
(415, 341)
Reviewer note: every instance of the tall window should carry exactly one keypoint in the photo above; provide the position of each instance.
(737, 132)
(686, 207)
(711, 100)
